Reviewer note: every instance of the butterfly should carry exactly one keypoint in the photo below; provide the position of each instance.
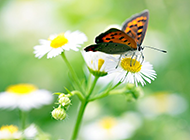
(115, 41)
(129, 38)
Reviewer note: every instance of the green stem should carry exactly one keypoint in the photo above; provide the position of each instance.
(23, 119)
(104, 94)
(79, 119)
(82, 109)
(72, 72)
(78, 93)
(92, 87)
(89, 82)
(114, 92)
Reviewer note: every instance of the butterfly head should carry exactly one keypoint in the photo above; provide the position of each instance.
(139, 47)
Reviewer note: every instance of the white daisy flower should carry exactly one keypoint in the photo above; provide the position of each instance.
(162, 103)
(30, 132)
(111, 128)
(132, 71)
(10, 132)
(24, 97)
(57, 43)
(99, 64)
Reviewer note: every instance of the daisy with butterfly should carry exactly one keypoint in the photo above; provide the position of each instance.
(115, 51)
(127, 43)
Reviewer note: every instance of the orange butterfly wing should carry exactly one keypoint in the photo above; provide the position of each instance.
(116, 36)
(136, 26)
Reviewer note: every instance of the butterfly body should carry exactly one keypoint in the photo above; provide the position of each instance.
(129, 38)
(109, 48)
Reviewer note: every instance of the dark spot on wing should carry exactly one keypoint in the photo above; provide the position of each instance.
(140, 27)
(129, 32)
(143, 20)
(139, 33)
(131, 26)
(121, 37)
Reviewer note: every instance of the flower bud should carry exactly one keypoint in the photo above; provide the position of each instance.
(138, 92)
(58, 113)
(130, 86)
(133, 92)
(64, 101)
(61, 95)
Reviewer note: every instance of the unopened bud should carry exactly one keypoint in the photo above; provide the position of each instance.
(130, 86)
(61, 95)
(58, 113)
(133, 92)
(64, 101)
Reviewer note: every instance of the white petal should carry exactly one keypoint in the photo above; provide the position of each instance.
(139, 79)
(41, 50)
(44, 42)
(26, 101)
(74, 39)
(54, 52)
(8, 100)
(130, 78)
(92, 58)
(53, 36)
(144, 77)
(30, 132)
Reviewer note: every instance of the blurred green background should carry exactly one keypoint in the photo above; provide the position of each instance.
(24, 22)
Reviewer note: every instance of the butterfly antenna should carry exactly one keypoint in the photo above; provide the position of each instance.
(155, 49)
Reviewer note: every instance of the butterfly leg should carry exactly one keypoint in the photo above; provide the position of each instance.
(136, 57)
(132, 58)
(118, 61)
(142, 58)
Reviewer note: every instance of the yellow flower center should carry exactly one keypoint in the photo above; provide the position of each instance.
(59, 41)
(21, 88)
(100, 63)
(108, 123)
(10, 128)
(162, 104)
(130, 65)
